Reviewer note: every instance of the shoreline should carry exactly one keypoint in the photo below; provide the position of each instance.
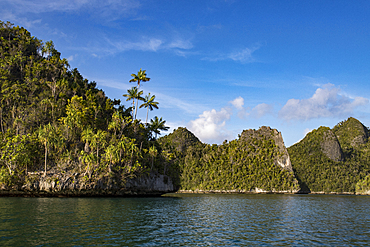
(267, 192)
(130, 193)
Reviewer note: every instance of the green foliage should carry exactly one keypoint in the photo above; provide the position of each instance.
(5, 177)
(156, 125)
(316, 172)
(53, 119)
(363, 186)
(237, 165)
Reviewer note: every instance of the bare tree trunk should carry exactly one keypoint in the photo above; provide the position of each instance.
(46, 155)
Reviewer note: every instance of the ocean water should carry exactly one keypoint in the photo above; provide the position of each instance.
(187, 220)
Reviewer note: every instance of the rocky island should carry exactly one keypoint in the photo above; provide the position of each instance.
(61, 136)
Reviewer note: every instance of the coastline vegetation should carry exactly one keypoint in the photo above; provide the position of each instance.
(238, 165)
(54, 121)
(319, 173)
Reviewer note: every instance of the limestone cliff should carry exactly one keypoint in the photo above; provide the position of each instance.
(283, 159)
(333, 160)
(351, 133)
(74, 184)
(331, 147)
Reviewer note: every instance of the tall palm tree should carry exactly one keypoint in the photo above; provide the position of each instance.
(48, 136)
(153, 152)
(133, 94)
(99, 141)
(87, 136)
(150, 104)
(139, 77)
(157, 125)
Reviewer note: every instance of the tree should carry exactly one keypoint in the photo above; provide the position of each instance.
(48, 137)
(111, 155)
(97, 141)
(133, 94)
(75, 118)
(140, 76)
(118, 124)
(157, 125)
(87, 136)
(150, 104)
(153, 152)
(14, 152)
(89, 159)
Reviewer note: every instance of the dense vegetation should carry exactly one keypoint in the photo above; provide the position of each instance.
(52, 120)
(236, 165)
(317, 172)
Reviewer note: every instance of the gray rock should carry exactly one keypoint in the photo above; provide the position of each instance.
(283, 160)
(331, 147)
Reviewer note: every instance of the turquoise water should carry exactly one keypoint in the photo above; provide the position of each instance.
(187, 220)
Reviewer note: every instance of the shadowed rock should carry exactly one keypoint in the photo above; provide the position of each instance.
(331, 147)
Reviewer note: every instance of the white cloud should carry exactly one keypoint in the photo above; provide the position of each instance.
(326, 102)
(173, 102)
(209, 127)
(257, 112)
(146, 44)
(243, 55)
(18, 20)
(181, 44)
(306, 131)
(70, 58)
(102, 8)
(262, 110)
(238, 103)
(110, 46)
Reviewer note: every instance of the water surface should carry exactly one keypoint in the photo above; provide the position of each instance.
(187, 220)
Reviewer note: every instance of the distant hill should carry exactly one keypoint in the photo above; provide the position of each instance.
(257, 161)
(332, 160)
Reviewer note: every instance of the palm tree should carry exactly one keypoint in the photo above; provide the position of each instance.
(153, 152)
(111, 154)
(87, 136)
(99, 141)
(157, 125)
(140, 76)
(133, 94)
(96, 140)
(150, 104)
(47, 135)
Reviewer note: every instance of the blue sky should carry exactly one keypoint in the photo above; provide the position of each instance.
(218, 67)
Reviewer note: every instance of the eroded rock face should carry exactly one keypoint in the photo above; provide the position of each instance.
(358, 140)
(75, 185)
(331, 147)
(351, 133)
(154, 182)
(283, 160)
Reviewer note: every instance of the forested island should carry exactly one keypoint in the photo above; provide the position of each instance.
(62, 136)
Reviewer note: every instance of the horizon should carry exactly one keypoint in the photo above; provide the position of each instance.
(218, 67)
